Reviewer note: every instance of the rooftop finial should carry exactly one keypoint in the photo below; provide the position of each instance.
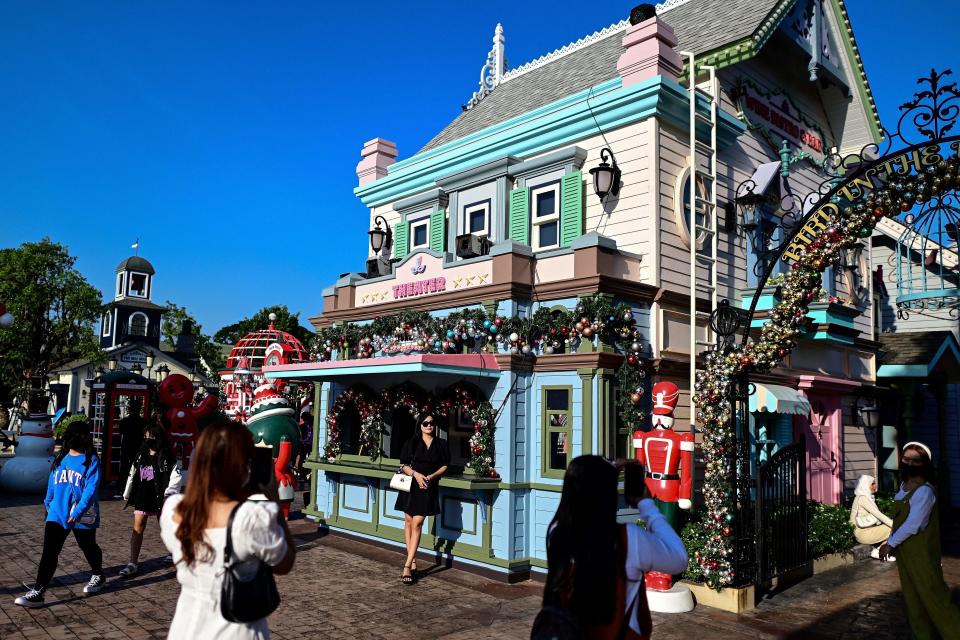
(492, 71)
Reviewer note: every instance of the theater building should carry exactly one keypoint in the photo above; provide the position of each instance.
(557, 208)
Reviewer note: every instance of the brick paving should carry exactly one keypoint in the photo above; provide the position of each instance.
(344, 589)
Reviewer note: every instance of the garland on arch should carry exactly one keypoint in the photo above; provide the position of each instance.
(847, 225)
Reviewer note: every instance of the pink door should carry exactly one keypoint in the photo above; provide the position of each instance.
(822, 434)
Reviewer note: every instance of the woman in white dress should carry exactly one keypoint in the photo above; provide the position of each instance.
(193, 527)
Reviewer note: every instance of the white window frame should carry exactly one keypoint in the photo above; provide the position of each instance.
(537, 221)
(483, 205)
(146, 323)
(146, 285)
(421, 220)
(680, 193)
(121, 284)
(107, 324)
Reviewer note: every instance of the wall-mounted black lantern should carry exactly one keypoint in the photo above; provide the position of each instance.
(606, 177)
(868, 412)
(380, 238)
(112, 363)
(749, 202)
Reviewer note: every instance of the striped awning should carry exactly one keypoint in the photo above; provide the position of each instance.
(774, 398)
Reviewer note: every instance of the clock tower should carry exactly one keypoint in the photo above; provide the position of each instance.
(132, 317)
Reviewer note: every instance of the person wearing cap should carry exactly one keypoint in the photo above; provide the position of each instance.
(916, 542)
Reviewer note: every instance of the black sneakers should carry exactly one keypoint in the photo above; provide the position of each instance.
(32, 600)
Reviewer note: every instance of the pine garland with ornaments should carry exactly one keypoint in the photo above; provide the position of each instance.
(852, 223)
(549, 331)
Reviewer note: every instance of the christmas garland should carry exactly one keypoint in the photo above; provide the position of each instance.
(549, 331)
(849, 225)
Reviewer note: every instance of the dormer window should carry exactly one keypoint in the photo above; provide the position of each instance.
(106, 324)
(138, 285)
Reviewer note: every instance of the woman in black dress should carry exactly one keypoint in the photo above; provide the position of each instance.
(426, 458)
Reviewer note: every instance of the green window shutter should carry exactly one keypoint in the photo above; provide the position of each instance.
(571, 208)
(401, 243)
(520, 215)
(438, 230)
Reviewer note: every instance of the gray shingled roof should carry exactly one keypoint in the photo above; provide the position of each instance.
(700, 26)
(912, 348)
(136, 263)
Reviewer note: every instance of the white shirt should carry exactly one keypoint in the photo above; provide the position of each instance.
(256, 534)
(921, 505)
(656, 548)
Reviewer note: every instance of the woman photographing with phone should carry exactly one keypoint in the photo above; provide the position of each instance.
(426, 458)
(215, 513)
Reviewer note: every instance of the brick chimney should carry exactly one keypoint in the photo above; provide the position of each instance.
(378, 154)
(650, 51)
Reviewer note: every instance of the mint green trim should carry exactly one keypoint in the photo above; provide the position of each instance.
(546, 430)
(559, 123)
(438, 230)
(373, 470)
(586, 407)
(571, 208)
(853, 53)
(519, 216)
(345, 506)
(401, 239)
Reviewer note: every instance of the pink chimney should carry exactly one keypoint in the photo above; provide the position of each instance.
(377, 155)
(650, 51)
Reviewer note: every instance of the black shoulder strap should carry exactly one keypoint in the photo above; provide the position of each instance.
(228, 548)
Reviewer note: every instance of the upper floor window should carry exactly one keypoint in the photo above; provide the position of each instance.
(682, 198)
(107, 318)
(476, 218)
(138, 285)
(545, 216)
(120, 283)
(557, 432)
(420, 234)
(138, 324)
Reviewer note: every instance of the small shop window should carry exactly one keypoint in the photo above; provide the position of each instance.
(419, 234)
(557, 430)
(349, 424)
(545, 216)
(459, 432)
(403, 426)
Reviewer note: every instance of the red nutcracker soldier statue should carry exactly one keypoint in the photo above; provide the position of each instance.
(667, 457)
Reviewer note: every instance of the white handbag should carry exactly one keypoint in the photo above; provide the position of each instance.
(401, 482)
(866, 521)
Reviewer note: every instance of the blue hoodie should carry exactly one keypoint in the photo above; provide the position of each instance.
(72, 492)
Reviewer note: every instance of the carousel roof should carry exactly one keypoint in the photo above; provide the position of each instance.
(253, 346)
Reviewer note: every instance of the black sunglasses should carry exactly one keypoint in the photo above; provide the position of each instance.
(427, 422)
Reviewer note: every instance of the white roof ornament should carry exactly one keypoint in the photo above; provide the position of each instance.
(492, 72)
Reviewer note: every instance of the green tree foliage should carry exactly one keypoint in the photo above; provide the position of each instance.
(286, 321)
(55, 310)
(203, 345)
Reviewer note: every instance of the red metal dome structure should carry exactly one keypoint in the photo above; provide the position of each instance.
(243, 373)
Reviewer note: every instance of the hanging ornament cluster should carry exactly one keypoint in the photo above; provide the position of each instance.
(851, 224)
(373, 407)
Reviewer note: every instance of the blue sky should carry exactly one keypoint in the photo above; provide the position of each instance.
(225, 135)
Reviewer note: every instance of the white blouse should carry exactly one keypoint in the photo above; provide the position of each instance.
(921, 505)
(256, 534)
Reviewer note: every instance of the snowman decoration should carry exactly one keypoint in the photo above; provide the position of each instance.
(29, 469)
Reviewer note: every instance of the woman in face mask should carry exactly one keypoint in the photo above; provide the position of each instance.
(916, 542)
(154, 476)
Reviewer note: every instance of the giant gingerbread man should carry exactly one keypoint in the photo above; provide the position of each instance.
(176, 392)
(667, 457)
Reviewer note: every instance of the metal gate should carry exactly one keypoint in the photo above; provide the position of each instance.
(781, 504)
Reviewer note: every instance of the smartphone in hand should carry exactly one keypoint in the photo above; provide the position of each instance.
(261, 470)
(634, 486)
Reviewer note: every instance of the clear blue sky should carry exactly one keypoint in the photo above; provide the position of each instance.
(225, 135)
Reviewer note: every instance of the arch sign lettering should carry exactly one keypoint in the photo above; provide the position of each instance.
(861, 189)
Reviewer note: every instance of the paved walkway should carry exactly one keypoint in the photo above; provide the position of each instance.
(343, 589)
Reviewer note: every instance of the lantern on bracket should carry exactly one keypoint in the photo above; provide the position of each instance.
(606, 177)
(868, 412)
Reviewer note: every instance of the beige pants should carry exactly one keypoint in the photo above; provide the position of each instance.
(871, 535)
